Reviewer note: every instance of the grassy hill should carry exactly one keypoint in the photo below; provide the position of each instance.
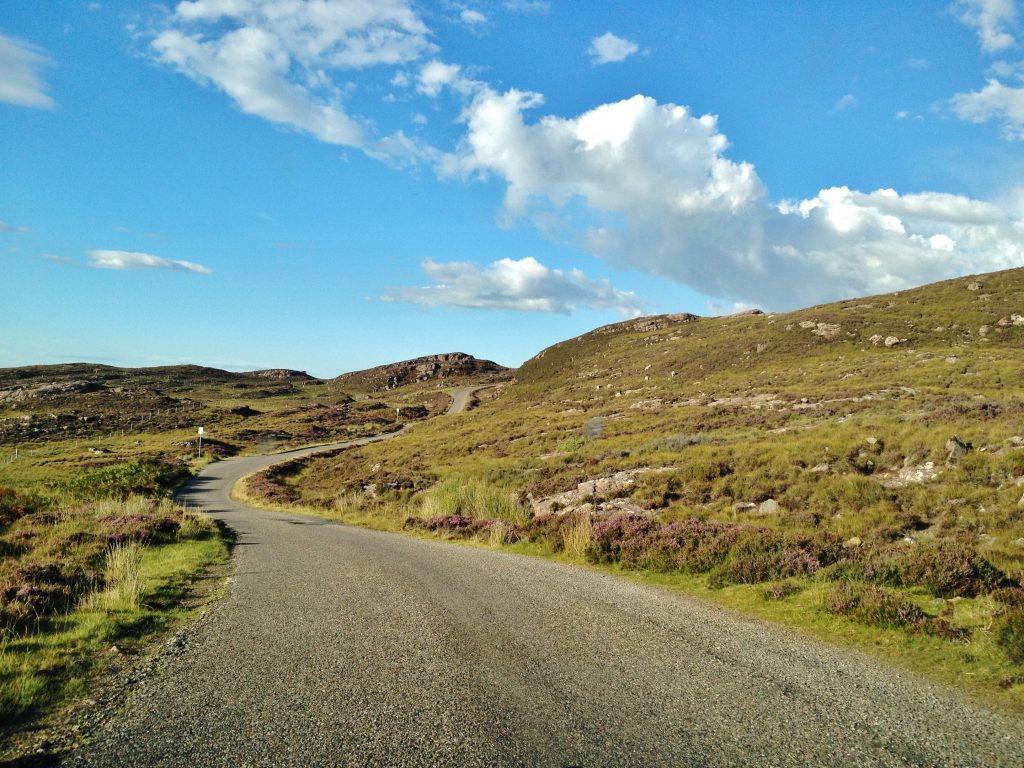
(859, 462)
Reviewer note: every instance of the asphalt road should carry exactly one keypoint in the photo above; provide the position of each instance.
(340, 646)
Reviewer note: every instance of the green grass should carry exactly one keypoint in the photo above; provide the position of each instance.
(45, 667)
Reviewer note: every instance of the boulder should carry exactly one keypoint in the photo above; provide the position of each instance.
(957, 449)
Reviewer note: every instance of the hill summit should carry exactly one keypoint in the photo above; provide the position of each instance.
(441, 368)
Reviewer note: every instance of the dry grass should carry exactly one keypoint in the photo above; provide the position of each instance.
(577, 536)
(123, 583)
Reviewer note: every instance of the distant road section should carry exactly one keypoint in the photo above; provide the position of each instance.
(338, 646)
(460, 398)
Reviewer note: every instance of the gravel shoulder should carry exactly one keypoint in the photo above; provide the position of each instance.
(342, 646)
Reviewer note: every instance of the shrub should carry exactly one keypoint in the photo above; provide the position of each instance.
(780, 590)
(868, 604)
(267, 487)
(733, 553)
(139, 477)
(1011, 596)
(627, 531)
(1009, 634)
(950, 569)
(463, 527)
(760, 555)
(13, 506)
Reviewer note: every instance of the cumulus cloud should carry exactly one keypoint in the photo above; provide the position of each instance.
(436, 75)
(995, 102)
(102, 259)
(650, 186)
(21, 82)
(276, 58)
(609, 48)
(524, 285)
(990, 19)
(472, 17)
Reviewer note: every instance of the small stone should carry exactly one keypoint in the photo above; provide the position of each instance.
(983, 331)
(871, 440)
(892, 341)
(853, 541)
(974, 286)
(821, 468)
(769, 507)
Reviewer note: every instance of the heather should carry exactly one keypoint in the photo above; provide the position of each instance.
(98, 560)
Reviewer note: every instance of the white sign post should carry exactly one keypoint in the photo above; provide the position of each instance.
(200, 442)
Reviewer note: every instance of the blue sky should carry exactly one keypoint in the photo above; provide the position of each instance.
(330, 185)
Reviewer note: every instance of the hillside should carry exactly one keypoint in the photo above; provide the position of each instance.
(876, 442)
(450, 369)
(60, 418)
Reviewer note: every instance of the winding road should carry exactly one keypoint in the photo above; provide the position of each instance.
(338, 646)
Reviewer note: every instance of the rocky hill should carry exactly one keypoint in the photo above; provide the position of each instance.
(449, 368)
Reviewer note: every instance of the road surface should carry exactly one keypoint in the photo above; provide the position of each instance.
(337, 646)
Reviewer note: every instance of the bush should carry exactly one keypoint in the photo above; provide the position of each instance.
(13, 506)
(780, 590)
(140, 477)
(868, 604)
(732, 553)
(1009, 634)
(760, 555)
(950, 569)
(497, 532)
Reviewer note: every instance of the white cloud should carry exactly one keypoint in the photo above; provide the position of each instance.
(135, 260)
(649, 186)
(609, 48)
(849, 101)
(5, 227)
(472, 17)
(995, 102)
(524, 285)
(990, 19)
(435, 75)
(276, 58)
(528, 6)
(919, 63)
(20, 80)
